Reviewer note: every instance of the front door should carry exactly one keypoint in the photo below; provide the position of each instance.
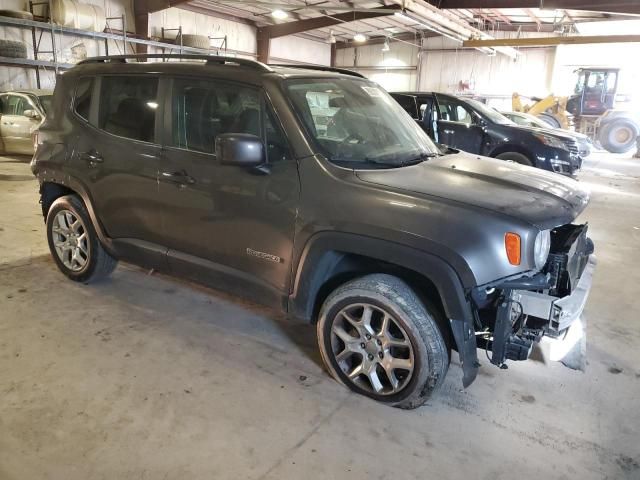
(16, 128)
(226, 223)
(457, 125)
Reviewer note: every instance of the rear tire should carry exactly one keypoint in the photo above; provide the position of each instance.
(618, 136)
(378, 339)
(515, 157)
(73, 242)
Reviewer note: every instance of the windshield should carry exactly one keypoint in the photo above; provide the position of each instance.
(528, 120)
(488, 112)
(357, 124)
(45, 101)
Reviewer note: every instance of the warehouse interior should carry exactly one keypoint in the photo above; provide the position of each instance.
(150, 375)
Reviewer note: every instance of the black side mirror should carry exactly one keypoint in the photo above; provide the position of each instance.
(241, 149)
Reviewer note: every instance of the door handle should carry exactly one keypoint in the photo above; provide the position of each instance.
(92, 157)
(181, 177)
(450, 132)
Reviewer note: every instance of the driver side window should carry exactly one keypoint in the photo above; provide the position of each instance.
(14, 105)
(454, 111)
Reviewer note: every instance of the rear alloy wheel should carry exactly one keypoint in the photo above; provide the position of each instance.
(70, 240)
(377, 338)
(73, 242)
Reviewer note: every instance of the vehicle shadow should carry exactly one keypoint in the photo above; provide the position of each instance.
(161, 296)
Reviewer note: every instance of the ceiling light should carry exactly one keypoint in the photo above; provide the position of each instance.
(359, 37)
(385, 47)
(332, 37)
(279, 14)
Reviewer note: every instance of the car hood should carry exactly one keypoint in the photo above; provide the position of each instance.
(554, 132)
(540, 198)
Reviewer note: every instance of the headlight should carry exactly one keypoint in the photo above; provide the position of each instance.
(541, 248)
(552, 141)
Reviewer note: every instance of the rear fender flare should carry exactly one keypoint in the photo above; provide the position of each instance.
(57, 177)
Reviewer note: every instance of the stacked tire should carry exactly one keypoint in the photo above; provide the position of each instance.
(12, 49)
(194, 41)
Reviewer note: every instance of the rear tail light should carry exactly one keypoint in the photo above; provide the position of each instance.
(512, 247)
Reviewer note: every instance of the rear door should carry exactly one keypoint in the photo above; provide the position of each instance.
(457, 125)
(116, 153)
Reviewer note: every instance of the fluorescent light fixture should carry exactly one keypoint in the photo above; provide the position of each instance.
(279, 14)
(359, 37)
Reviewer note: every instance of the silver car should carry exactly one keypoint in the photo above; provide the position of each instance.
(21, 114)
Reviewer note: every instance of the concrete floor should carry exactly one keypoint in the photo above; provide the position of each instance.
(147, 377)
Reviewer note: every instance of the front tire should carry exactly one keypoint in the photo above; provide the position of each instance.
(377, 338)
(515, 157)
(73, 242)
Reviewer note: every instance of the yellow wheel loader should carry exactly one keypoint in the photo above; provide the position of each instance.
(590, 110)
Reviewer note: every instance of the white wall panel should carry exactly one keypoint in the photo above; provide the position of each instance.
(471, 71)
(394, 70)
(299, 49)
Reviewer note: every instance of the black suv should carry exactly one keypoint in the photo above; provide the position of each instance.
(311, 190)
(470, 125)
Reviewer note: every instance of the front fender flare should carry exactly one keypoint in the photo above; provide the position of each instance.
(324, 250)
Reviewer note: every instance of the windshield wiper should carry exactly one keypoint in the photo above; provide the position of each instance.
(419, 159)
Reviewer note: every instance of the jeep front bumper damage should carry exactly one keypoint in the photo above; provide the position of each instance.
(560, 312)
(525, 316)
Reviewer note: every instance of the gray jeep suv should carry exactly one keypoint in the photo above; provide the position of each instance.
(311, 189)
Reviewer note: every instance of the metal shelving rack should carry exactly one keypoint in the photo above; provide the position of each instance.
(48, 27)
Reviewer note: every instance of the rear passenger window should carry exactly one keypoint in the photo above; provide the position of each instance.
(128, 106)
(203, 110)
(83, 97)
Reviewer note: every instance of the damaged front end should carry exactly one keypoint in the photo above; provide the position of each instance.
(514, 315)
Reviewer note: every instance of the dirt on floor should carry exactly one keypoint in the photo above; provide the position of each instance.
(144, 376)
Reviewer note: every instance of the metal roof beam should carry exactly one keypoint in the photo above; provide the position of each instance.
(291, 28)
(551, 41)
(610, 6)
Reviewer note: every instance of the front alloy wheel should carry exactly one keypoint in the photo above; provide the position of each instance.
(378, 338)
(372, 349)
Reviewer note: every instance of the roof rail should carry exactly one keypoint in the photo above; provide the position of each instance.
(319, 67)
(210, 59)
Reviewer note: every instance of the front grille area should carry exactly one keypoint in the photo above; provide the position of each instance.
(572, 146)
(570, 250)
